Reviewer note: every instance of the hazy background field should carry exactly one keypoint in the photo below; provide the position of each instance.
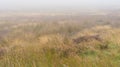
(59, 33)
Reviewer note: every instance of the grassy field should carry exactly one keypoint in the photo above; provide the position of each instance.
(59, 44)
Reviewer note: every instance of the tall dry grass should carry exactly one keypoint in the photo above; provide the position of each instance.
(52, 45)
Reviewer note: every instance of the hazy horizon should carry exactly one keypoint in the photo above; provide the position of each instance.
(56, 5)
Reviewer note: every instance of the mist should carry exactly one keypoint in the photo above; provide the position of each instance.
(56, 5)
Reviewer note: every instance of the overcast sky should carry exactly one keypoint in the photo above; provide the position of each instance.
(57, 4)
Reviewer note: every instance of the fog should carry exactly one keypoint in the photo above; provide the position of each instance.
(58, 4)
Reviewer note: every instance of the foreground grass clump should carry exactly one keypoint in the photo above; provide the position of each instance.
(60, 45)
